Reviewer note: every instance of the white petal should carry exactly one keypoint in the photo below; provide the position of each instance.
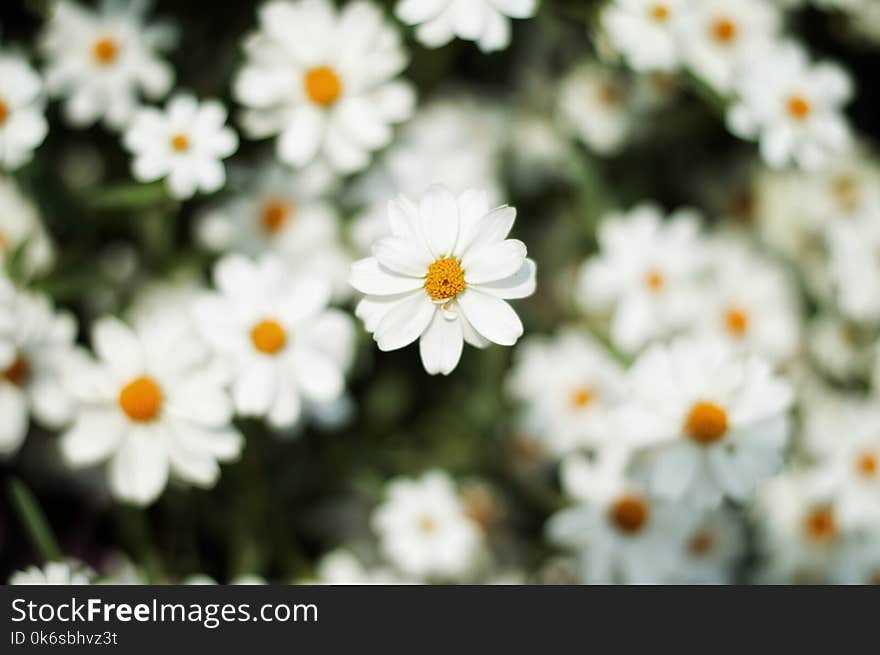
(299, 142)
(118, 347)
(492, 317)
(255, 388)
(673, 471)
(519, 285)
(14, 421)
(189, 462)
(139, 470)
(439, 214)
(287, 408)
(494, 261)
(488, 228)
(370, 277)
(401, 256)
(405, 322)
(93, 437)
(317, 376)
(441, 344)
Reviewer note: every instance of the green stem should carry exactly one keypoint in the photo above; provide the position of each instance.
(30, 514)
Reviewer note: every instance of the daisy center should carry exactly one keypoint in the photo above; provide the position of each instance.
(582, 396)
(18, 372)
(846, 191)
(4, 112)
(629, 514)
(610, 94)
(820, 525)
(323, 85)
(659, 12)
(180, 143)
(445, 279)
(736, 321)
(141, 399)
(274, 216)
(702, 543)
(427, 524)
(724, 31)
(655, 281)
(706, 423)
(798, 107)
(105, 51)
(268, 336)
(867, 464)
(4, 242)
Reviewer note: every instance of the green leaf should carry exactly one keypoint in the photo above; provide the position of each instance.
(34, 521)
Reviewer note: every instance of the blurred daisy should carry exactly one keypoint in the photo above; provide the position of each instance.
(859, 560)
(646, 31)
(848, 188)
(324, 82)
(828, 417)
(594, 103)
(185, 144)
(487, 22)
(710, 423)
(855, 268)
(792, 107)
(841, 348)
(423, 529)
(54, 573)
(713, 549)
(646, 274)
(22, 123)
(35, 343)
(20, 226)
(286, 347)
(342, 567)
(568, 386)
(443, 277)
(152, 404)
(102, 61)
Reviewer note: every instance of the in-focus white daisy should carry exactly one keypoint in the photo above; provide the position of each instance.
(485, 21)
(443, 277)
(35, 343)
(153, 403)
(717, 35)
(710, 422)
(645, 275)
(792, 107)
(569, 387)
(185, 144)
(646, 32)
(623, 535)
(54, 573)
(288, 349)
(103, 61)
(713, 549)
(22, 123)
(423, 529)
(20, 224)
(855, 268)
(323, 81)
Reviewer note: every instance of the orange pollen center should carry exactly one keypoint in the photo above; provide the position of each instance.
(610, 94)
(659, 12)
(445, 279)
(724, 30)
(866, 465)
(18, 371)
(655, 281)
(4, 112)
(798, 107)
(323, 85)
(629, 513)
(701, 543)
(275, 215)
(582, 396)
(141, 399)
(179, 142)
(820, 525)
(736, 321)
(427, 524)
(847, 192)
(4, 242)
(105, 51)
(268, 336)
(706, 423)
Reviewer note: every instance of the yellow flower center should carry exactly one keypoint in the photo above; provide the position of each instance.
(427, 524)
(18, 371)
(724, 31)
(323, 85)
(105, 51)
(268, 336)
(655, 281)
(866, 465)
(4, 242)
(701, 543)
(582, 396)
(736, 321)
(847, 192)
(659, 12)
(798, 107)
(4, 112)
(445, 279)
(180, 142)
(820, 525)
(629, 513)
(610, 94)
(274, 216)
(706, 423)
(141, 399)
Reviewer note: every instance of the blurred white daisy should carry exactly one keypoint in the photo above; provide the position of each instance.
(594, 102)
(103, 61)
(568, 386)
(710, 423)
(323, 81)
(185, 144)
(713, 549)
(153, 403)
(443, 277)
(645, 275)
(831, 419)
(858, 562)
(35, 344)
(848, 188)
(855, 268)
(342, 567)
(487, 22)
(792, 107)
(54, 573)
(646, 32)
(288, 350)
(20, 226)
(841, 348)
(22, 123)
(423, 529)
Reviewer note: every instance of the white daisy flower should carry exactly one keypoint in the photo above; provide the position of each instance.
(324, 82)
(848, 188)
(35, 343)
(54, 573)
(569, 387)
(20, 224)
(792, 107)
(858, 561)
(646, 32)
(713, 549)
(855, 268)
(841, 348)
(710, 423)
(185, 144)
(342, 567)
(646, 274)
(443, 277)
(716, 36)
(22, 123)
(152, 404)
(487, 22)
(103, 61)
(423, 529)
(828, 417)
(288, 350)
(623, 535)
